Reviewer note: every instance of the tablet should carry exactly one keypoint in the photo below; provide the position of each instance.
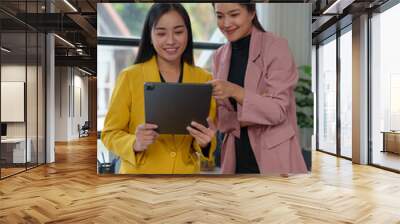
(172, 106)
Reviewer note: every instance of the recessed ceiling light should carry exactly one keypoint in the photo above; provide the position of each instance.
(332, 7)
(65, 41)
(70, 5)
(84, 71)
(338, 6)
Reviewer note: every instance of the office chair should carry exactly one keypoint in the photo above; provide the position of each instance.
(84, 130)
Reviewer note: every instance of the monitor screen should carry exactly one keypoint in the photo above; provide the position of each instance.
(3, 129)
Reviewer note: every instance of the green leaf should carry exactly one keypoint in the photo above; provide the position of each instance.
(306, 69)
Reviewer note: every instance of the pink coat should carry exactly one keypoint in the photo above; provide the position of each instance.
(268, 109)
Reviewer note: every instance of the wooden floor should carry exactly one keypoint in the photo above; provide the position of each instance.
(10, 171)
(70, 191)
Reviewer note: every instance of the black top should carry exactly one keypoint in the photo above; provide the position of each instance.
(245, 160)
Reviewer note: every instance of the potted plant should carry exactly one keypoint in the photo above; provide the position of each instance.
(305, 111)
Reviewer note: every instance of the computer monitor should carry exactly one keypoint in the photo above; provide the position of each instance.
(3, 129)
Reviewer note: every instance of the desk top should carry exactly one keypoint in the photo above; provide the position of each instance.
(391, 132)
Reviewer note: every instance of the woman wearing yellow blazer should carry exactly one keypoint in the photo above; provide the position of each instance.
(165, 55)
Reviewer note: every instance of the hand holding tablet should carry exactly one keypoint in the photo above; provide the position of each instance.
(145, 136)
(202, 134)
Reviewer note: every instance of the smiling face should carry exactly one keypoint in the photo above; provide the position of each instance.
(169, 37)
(234, 20)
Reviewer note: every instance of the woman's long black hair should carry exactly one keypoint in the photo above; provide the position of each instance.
(251, 7)
(146, 49)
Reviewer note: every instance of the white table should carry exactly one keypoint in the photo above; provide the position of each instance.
(18, 149)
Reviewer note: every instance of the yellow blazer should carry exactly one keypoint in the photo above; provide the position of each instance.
(169, 154)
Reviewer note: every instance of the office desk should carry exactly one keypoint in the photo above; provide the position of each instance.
(391, 141)
(13, 150)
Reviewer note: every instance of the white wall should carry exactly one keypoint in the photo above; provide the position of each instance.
(82, 83)
(61, 103)
(17, 73)
(71, 94)
(291, 21)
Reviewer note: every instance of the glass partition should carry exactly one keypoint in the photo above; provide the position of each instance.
(327, 96)
(346, 94)
(385, 89)
(22, 88)
(13, 103)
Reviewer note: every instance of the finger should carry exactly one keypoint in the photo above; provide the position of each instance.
(150, 126)
(140, 149)
(219, 101)
(219, 97)
(218, 92)
(147, 143)
(148, 138)
(198, 138)
(216, 95)
(140, 127)
(197, 133)
(199, 127)
(201, 141)
(193, 132)
(148, 133)
(155, 134)
(216, 83)
(216, 86)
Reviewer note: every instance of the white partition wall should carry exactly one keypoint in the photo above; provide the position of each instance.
(291, 21)
(71, 102)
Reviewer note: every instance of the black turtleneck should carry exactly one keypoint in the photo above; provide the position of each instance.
(245, 160)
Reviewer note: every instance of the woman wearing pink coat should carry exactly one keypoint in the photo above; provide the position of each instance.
(255, 77)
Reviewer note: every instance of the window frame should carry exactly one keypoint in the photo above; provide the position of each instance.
(333, 37)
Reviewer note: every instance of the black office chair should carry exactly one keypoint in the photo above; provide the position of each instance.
(84, 130)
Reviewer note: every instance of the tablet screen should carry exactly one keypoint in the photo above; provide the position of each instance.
(172, 106)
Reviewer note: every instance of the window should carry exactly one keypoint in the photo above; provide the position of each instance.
(385, 85)
(126, 20)
(327, 96)
(110, 61)
(346, 94)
